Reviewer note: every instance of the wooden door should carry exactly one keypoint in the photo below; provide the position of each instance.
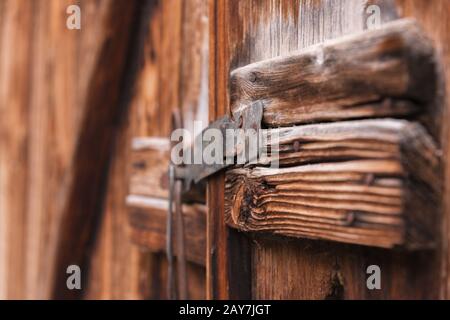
(357, 91)
(172, 80)
(266, 260)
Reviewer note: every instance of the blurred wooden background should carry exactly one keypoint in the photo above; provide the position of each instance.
(48, 95)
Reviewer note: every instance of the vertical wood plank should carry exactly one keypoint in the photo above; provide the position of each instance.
(194, 96)
(118, 269)
(105, 105)
(228, 253)
(435, 19)
(169, 79)
(16, 23)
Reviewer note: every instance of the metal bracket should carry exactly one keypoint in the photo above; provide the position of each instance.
(182, 177)
(247, 117)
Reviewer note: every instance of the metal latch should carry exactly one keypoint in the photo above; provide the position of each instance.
(248, 117)
(181, 179)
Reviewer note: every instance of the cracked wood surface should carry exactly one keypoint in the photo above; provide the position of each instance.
(354, 182)
(343, 78)
(282, 268)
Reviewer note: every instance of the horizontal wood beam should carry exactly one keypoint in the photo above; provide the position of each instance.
(149, 167)
(367, 182)
(147, 220)
(384, 72)
(148, 201)
(150, 158)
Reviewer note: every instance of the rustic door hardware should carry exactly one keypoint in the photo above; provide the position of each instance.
(369, 182)
(358, 152)
(148, 216)
(360, 181)
(148, 202)
(245, 118)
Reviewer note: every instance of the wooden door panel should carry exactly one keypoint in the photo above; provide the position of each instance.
(174, 79)
(245, 32)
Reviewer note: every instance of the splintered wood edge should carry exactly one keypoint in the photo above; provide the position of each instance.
(345, 78)
(382, 202)
(147, 221)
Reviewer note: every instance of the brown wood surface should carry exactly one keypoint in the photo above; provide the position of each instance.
(245, 32)
(149, 167)
(337, 79)
(46, 81)
(15, 105)
(148, 200)
(161, 87)
(150, 158)
(147, 221)
(45, 71)
(369, 182)
(107, 98)
(435, 20)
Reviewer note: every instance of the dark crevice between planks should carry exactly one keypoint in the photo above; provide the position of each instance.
(108, 97)
(337, 287)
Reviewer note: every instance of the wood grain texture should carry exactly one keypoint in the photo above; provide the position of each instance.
(117, 268)
(157, 94)
(435, 21)
(48, 76)
(147, 221)
(149, 167)
(45, 71)
(150, 158)
(15, 61)
(342, 78)
(228, 253)
(304, 269)
(369, 182)
(105, 105)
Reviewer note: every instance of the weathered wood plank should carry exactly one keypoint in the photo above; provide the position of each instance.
(251, 31)
(150, 158)
(107, 98)
(344, 78)
(435, 20)
(147, 219)
(174, 77)
(228, 253)
(149, 167)
(157, 94)
(369, 182)
(376, 139)
(16, 58)
(109, 278)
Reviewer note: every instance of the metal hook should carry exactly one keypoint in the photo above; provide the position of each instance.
(175, 189)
